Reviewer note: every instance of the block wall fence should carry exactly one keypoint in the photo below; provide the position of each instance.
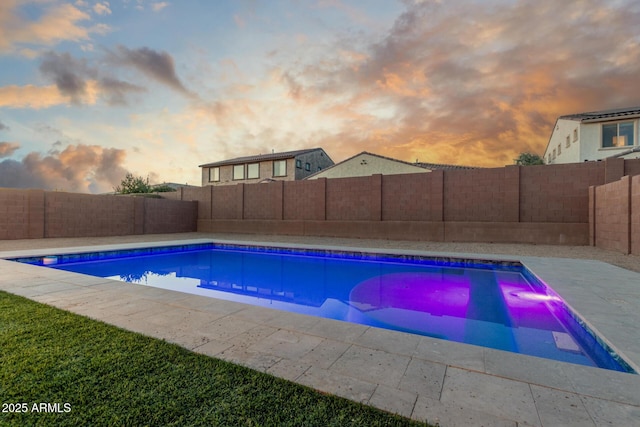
(595, 203)
(35, 214)
(547, 204)
(615, 215)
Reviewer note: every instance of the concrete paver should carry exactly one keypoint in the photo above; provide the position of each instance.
(338, 384)
(500, 397)
(374, 365)
(391, 399)
(424, 378)
(560, 408)
(455, 414)
(421, 377)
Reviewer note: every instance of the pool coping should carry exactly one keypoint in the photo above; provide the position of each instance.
(329, 355)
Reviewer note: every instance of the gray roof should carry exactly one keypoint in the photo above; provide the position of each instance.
(605, 114)
(261, 157)
(438, 166)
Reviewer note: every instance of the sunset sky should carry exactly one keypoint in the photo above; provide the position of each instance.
(92, 89)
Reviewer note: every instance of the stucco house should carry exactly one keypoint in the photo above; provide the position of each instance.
(366, 164)
(594, 135)
(284, 166)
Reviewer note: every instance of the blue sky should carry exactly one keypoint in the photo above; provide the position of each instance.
(90, 90)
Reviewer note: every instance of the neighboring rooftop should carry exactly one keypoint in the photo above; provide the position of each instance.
(604, 114)
(438, 166)
(260, 157)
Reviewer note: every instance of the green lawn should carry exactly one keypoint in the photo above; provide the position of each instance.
(109, 376)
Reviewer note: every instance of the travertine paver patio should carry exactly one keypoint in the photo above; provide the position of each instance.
(419, 377)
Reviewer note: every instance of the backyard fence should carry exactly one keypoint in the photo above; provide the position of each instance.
(33, 214)
(521, 204)
(594, 203)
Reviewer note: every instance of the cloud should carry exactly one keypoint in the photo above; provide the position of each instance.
(57, 23)
(116, 92)
(82, 83)
(8, 148)
(69, 74)
(31, 96)
(3, 126)
(475, 87)
(158, 66)
(78, 168)
(102, 8)
(157, 7)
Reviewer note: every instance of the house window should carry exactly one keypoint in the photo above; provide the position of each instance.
(549, 158)
(554, 154)
(214, 174)
(299, 163)
(575, 135)
(253, 171)
(617, 134)
(319, 168)
(238, 172)
(280, 168)
(568, 143)
(559, 149)
(307, 166)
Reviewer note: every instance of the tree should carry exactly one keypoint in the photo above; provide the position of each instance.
(528, 159)
(133, 184)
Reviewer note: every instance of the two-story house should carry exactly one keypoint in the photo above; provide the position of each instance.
(594, 136)
(285, 166)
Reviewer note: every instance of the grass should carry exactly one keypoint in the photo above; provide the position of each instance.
(110, 376)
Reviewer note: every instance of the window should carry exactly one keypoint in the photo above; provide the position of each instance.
(559, 149)
(575, 135)
(319, 168)
(238, 172)
(568, 143)
(617, 134)
(299, 163)
(214, 174)
(253, 171)
(554, 154)
(549, 158)
(307, 166)
(280, 168)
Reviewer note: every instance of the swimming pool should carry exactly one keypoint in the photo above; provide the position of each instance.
(498, 305)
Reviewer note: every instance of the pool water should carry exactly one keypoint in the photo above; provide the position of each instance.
(490, 305)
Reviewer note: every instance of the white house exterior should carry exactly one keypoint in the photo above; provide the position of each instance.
(594, 136)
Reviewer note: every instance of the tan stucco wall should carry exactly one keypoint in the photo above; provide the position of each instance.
(366, 165)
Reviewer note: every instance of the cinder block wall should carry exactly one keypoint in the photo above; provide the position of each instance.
(612, 209)
(29, 214)
(635, 215)
(533, 204)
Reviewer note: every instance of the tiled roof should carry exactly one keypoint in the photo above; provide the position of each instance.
(437, 166)
(260, 157)
(605, 114)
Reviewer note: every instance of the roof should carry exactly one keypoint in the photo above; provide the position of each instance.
(416, 164)
(438, 166)
(261, 157)
(604, 114)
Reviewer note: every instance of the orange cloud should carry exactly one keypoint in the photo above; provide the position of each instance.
(477, 88)
(31, 96)
(58, 23)
(81, 168)
(38, 97)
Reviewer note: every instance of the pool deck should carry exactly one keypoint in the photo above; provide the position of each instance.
(422, 378)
